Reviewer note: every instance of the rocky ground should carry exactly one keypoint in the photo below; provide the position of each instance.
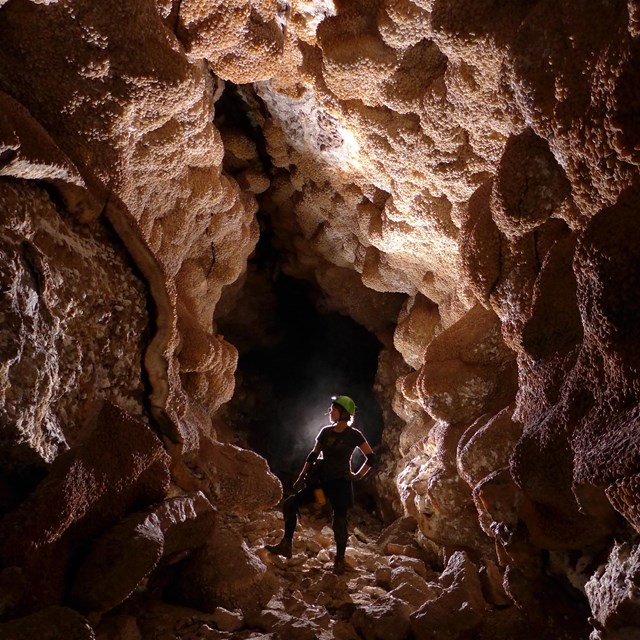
(397, 586)
(388, 576)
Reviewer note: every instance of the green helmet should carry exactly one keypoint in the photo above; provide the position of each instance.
(345, 402)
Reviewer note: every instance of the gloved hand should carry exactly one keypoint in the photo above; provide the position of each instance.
(298, 485)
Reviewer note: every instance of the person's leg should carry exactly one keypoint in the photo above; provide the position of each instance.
(340, 497)
(340, 531)
(290, 512)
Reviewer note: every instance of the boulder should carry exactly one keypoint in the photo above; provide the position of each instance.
(225, 573)
(51, 623)
(288, 627)
(613, 593)
(458, 609)
(126, 554)
(233, 478)
(385, 619)
(88, 489)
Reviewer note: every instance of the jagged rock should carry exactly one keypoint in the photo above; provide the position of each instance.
(434, 493)
(412, 596)
(460, 606)
(613, 593)
(51, 623)
(126, 554)
(406, 562)
(549, 607)
(385, 619)
(161, 620)
(288, 627)
(87, 489)
(400, 532)
(492, 580)
(488, 446)
(117, 564)
(383, 577)
(227, 620)
(234, 478)
(408, 586)
(225, 573)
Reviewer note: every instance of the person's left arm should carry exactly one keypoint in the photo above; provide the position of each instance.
(370, 460)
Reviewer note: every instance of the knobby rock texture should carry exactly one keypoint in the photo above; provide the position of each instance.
(460, 178)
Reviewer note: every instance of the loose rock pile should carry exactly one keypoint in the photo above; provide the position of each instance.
(388, 576)
(393, 589)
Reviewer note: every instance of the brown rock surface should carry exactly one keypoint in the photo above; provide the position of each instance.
(122, 119)
(386, 618)
(86, 490)
(51, 623)
(459, 177)
(126, 554)
(234, 479)
(571, 434)
(487, 445)
(226, 573)
(458, 608)
(551, 606)
(29, 153)
(74, 321)
(468, 369)
(613, 594)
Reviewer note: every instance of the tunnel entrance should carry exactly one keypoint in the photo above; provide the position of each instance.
(293, 355)
(285, 382)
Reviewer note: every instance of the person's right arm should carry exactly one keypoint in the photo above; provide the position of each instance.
(311, 458)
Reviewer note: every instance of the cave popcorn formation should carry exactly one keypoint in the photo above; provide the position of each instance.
(459, 179)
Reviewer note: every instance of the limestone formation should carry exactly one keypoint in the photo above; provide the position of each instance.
(613, 593)
(126, 554)
(460, 178)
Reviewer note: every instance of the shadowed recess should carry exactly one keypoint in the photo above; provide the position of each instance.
(315, 356)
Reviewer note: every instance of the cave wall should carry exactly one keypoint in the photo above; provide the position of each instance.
(476, 160)
(120, 230)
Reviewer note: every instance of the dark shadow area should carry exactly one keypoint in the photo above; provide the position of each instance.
(284, 390)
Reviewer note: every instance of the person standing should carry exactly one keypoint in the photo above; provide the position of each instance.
(327, 470)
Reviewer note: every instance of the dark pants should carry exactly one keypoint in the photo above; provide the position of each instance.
(340, 496)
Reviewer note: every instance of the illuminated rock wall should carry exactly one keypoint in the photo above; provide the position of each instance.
(481, 160)
(119, 232)
(478, 159)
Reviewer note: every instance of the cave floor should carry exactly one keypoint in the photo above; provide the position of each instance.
(310, 602)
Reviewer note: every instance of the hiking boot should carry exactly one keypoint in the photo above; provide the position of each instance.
(283, 548)
(338, 566)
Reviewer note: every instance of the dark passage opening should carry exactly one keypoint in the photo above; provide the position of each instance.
(284, 389)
